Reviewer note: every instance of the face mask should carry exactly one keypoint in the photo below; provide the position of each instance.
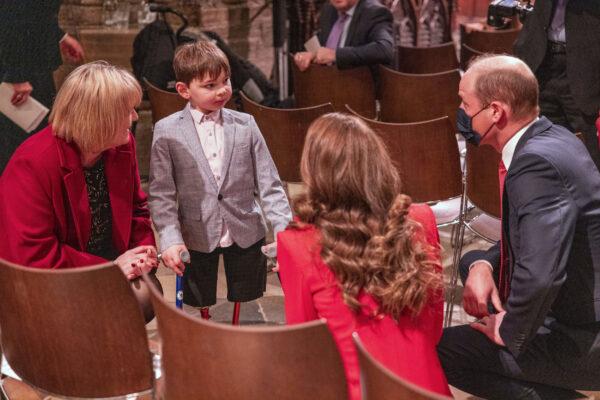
(464, 126)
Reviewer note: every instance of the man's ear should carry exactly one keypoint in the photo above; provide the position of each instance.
(500, 112)
(183, 90)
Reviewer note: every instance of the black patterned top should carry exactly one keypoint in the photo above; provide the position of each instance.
(100, 242)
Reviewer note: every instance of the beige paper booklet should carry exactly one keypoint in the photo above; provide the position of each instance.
(28, 115)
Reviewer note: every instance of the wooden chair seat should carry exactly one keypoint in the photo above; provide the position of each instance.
(221, 361)
(427, 60)
(418, 97)
(284, 131)
(426, 156)
(379, 383)
(74, 332)
(489, 40)
(327, 84)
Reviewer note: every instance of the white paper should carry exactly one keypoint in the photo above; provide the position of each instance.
(28, 115)
(312, 44)
(7, 370)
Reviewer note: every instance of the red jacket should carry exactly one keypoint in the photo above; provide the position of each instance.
(407, 346)
(45, 217)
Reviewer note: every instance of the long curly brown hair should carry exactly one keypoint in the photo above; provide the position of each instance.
(353, 197)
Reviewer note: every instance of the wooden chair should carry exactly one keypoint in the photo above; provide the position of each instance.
(74, 332)
(425, 154)
(427, 60)
(418, 97)
(327, 84)
(379, 383)
(466, 55)
(482, 190)
(284, 131)
(489, 40)
(162, 102)
(222, 361)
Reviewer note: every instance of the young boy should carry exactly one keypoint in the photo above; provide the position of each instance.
(207, 165)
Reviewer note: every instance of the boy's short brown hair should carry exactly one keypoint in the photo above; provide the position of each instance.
(198, 60)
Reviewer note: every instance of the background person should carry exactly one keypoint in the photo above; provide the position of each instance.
(31, 44)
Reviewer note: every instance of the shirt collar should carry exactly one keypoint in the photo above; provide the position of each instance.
(508, 151)
(350, 12)
(199, 117)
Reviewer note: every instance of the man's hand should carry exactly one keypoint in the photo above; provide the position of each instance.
(303, 60)
(479, 290)
(21, 93)
(325, 56)
(71, 49)
(490, 327)
(171, 257)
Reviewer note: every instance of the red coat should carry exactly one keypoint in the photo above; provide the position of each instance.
(45, 217)
(406, 347)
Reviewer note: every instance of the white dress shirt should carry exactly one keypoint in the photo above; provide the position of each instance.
(212, 137)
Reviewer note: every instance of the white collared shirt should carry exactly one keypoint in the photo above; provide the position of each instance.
(350, 14)
(212, 138)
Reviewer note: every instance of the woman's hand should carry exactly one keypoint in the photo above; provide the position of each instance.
(136, 261)
(21, 93)
(171, 257)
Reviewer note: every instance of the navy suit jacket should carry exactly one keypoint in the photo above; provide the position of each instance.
(370, 37)
(551, 219)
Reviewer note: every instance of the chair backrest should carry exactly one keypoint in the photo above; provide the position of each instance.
(327, 84)
(284, 131)
(426, 156)
(162, 102)
(418, 97)
(466, 55)
(427, 60)
(112, 45)
(489, 40)
(232, 362)
(74, 332)
(483, 186)
(379, 383)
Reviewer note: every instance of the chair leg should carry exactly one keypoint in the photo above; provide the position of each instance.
(236, 313)
(204, 313)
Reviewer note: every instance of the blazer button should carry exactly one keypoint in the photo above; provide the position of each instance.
(220, 197)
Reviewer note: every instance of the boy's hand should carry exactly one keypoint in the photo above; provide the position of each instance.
(171, 257)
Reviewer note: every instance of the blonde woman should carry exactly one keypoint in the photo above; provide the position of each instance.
(71, 193)
(362, 257)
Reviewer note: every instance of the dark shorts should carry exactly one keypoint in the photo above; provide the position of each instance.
(245, 270)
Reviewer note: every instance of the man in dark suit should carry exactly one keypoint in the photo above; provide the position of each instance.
(353, 33)
(543, 278)
(31, 43)
(560, 42)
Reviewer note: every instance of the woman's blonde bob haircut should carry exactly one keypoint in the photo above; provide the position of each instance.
(91, 104)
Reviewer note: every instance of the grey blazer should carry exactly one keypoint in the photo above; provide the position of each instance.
(186, 202)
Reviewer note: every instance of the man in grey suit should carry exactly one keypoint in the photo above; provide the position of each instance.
(208, 165)
(543, 278)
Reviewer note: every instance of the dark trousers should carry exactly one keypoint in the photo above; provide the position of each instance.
(11, 136)
(559, 359)
(245, 271)
(558, 104)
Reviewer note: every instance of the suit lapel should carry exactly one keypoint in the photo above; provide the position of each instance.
(74, 180)
(229, 127)
(117, 166)
(352, 28)
(191, 136)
